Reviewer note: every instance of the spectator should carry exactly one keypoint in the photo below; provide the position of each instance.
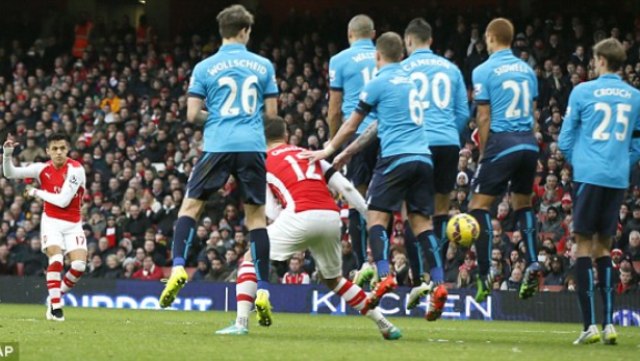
(451, 264)
(464, 278)
(295, 275)
(514, 281)
(218, 272)
(552, 225)
(633, 250)
(135, 225)
(114, 270)
(349, 260)
(556, 275)
(35, 262)
(97, 268)
(7, 265)
(150, 249)
(628, 281)
(149, 271)
(202, 269)
(401, 267)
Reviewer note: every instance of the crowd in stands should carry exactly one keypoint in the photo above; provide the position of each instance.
(122, 102)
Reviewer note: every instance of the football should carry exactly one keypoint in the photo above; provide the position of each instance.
(463, 229)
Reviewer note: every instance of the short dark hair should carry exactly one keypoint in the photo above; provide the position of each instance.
(389, 45)
(54, 137)
(502, 29)
(419, 28)
(233, 19)
(612, 50)
(275, 128)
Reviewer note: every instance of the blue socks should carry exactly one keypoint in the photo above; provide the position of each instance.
(182, 238)
(606, 282)
(260, 254)
(527, 227)
(584, 278)
(357, 233)
(484, 243)
(380, 249)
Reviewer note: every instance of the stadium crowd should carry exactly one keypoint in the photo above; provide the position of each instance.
(122, 101)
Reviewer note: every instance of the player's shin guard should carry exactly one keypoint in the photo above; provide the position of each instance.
(527, 226)
(54, 279)
(182, 238)
(483, 243)
(72, 276)
(605, 282)
(353, 295)
(380, 249)
(414, 253)
(440, 230)
(246, 288)
(260, 255)
(584, 278)
(357, 233)
(434, 256)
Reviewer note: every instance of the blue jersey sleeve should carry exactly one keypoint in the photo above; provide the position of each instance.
(462, 104)
(369, 98)
(336, 81)
(196, 85)
(271, 88)
(569, 130)
(480, 80)
(534, 86)
(634, 155)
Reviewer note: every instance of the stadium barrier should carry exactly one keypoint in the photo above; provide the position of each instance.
(314, 299)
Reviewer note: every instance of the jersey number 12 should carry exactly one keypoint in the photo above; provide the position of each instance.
(309, 174)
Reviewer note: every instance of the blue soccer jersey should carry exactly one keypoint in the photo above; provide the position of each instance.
(349, 71)
(234, 84)
(510, 86)
(394, 97)
(597, 130)
(443, 93)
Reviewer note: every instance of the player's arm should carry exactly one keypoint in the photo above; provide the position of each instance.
(570, 125)
(339, 184)
(195, 99)
(335, 112)
(10, 170)
(336, 84)
(483, 109)
(634, 155)
(461, 110)
(271, 93)
(75, 179)
(357, 145)
(272, 208)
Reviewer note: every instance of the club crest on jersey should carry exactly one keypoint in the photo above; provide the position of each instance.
(74, 180)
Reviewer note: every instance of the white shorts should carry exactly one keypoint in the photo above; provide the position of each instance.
(69, 236)
(316, 230)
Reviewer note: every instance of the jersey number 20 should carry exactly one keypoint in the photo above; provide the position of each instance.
(248, 96)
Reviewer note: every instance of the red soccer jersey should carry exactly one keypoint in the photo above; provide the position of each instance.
(298, 185)
(52, 180)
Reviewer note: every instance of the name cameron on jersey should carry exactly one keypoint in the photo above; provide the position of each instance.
(426, 62)
(623, 93)
(517, 67)
(237, 63)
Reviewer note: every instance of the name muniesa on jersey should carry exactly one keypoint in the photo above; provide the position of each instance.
(394, 97)
(349, 71)
(52, 180)
(443, 93)
(510, 86)
(597, 130)
(234, 83)
(297, 184)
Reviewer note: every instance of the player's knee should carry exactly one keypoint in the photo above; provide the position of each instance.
(191, 208)
(79, 266)
(56, 258)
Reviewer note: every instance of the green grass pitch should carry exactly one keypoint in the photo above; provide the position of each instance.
(105, 334)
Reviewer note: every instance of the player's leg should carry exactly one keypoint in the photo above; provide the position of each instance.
(209, 174)
(601, 253)
(324, 244)
(445, 171)
(420, 206)
(75, 245)
(246, 288)
(53, 247)
(490, 180)
(586, 198)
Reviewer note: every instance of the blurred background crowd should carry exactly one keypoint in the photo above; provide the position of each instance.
(119, 92)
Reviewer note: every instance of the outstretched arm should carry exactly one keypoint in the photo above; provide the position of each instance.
(357, 145)
(11, 171)
(75, 179)
(338, 183)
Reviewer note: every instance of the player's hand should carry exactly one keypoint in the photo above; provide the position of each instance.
(29, 192)
(314, 156)
(341, 160)
(9, 145)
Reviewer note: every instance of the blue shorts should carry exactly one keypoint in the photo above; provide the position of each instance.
(402, 178)
(213, 170)
(360, 168)
(595, 209)
(445, 167)
(509, 163)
